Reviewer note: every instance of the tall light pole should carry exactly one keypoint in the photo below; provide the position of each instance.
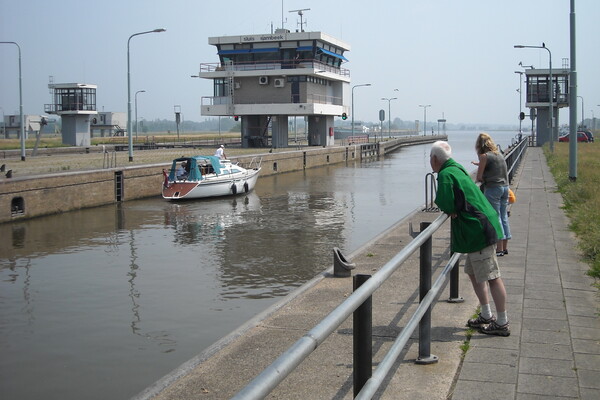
(136, 121)
(520, 98)
(550, 90)
(355, 86)
(424, 117)
(582, 118)
(3, 126)
(389, 114)
(130, 139)
(22, 118)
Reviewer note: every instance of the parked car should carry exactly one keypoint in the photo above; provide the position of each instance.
(589, 134)
(581, 137)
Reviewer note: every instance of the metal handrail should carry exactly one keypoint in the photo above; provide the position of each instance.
(275, 373)
(514, 156)
(384, 367)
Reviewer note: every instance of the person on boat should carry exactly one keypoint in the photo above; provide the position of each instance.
(181, 172)
(221, 152)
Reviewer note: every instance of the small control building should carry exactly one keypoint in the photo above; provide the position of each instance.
(263, 80)
(75, 103)
(538, 98)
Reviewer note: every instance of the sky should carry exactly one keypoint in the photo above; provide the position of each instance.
(456, 56)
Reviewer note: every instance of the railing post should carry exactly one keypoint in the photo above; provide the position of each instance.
(425, 356)
(454, 279)
(362, 325)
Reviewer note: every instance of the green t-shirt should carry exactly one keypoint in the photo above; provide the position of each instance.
(476, 225)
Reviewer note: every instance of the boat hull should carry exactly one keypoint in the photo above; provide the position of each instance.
(212, 187)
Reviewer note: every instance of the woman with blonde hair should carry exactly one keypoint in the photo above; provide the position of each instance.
(493, 175)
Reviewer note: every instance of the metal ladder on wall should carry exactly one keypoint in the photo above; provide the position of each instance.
(230, 87)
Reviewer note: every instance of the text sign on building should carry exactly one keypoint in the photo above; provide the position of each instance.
(262, 38)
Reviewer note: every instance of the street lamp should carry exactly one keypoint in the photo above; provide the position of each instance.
(355, 86)
(520, 98)
(550, 89)
(424, 117)
(130, 139)
(136, 121)
(3, 126)
(525, 66)
(582, 118)
(389, 114)
(22, 118)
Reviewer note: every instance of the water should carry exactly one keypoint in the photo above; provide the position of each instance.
(100, 303)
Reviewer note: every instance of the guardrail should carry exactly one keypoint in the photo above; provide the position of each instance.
(366, 381)
(514, 156)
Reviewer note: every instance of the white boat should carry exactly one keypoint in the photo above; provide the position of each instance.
(208, 176)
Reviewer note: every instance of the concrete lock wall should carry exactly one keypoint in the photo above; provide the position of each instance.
(34, 196)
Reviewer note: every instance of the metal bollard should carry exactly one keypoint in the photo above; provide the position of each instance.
(362, 325)
(425, 356)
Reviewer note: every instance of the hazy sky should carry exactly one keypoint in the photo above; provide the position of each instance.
(457, 55)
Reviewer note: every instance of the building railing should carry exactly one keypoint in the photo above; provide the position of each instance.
(272, 65)
(367, 381)
(56, 108)
(294, 99)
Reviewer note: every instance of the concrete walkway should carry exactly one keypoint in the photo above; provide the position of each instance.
(553, 351)
(554, 347)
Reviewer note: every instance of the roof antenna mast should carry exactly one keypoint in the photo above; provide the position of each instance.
(300, 13)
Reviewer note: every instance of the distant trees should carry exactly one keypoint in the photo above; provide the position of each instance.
(208, 125)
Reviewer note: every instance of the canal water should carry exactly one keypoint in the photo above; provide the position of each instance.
(100, 303)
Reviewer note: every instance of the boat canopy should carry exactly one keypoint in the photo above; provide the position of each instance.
(194, 173)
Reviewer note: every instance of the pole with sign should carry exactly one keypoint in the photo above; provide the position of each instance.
(381, 119)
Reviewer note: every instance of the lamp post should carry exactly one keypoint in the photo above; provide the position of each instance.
(550, 90)
(130, 139)
(22, 118)
(525, 66)
(520, 98)
(3, 126)
(582, 118)
(136, 120)
(389, 114)
(425, 118)
(355, 86)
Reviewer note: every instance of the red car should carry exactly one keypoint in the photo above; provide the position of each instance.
(581, 137)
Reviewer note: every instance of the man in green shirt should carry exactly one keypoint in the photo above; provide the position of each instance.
(475, 230)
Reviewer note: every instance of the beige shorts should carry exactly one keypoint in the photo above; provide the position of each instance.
(483, 264)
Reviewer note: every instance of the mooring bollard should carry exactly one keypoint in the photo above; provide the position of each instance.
(341, 267)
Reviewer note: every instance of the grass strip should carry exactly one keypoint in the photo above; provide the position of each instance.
(581, 197)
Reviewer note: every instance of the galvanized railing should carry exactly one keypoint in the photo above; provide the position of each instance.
(514, 155)
(367, 381)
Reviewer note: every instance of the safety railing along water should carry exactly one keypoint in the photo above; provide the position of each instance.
(366, 381)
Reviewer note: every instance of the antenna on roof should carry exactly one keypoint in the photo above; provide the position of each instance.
(300, 13)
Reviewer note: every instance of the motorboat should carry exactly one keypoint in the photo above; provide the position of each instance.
(208, 176)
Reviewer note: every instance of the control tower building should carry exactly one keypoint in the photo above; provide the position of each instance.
(263, 80)
(75, 103)
(538, 98)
